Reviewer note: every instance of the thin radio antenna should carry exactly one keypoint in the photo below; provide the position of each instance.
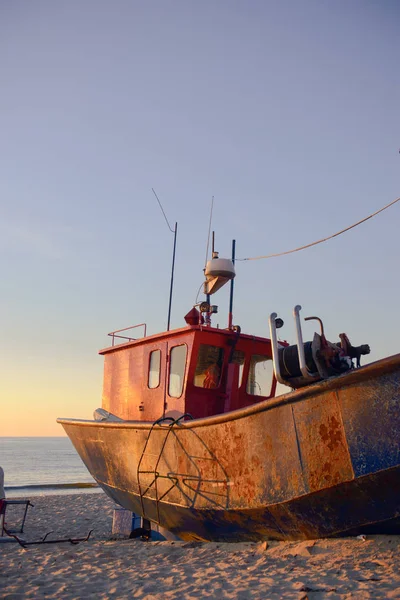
(208, 315)
(209, 231)
(163, 212)
(174, 231)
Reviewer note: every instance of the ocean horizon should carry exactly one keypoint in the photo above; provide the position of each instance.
(43, 466)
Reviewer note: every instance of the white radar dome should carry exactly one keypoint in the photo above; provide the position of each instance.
(218, 271)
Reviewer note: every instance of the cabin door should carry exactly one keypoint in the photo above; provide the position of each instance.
(175, 378)
(153, 391)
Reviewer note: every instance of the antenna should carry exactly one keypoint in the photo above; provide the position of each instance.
(162, 210)
(209, 231)
(208, 314)
(174, 231)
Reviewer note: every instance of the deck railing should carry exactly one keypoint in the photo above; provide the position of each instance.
(114, 335)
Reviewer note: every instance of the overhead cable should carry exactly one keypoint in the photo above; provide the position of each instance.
(323, 239)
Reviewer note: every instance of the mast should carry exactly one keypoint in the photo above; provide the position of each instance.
(172, 278)
(230, 318)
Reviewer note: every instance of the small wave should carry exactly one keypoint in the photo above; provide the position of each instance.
(52, 486)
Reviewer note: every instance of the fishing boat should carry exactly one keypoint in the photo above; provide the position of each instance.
(192, 436)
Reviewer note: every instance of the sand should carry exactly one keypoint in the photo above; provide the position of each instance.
(107, 568)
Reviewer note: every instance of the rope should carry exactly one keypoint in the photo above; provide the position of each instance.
(323, 239)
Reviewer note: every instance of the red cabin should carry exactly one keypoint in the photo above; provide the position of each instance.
(200, 370)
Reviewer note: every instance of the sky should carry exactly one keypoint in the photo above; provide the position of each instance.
(286, 112)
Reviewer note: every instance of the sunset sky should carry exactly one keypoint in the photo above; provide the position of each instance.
(286, 111)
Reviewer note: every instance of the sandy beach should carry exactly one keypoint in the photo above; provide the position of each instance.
(105, 567)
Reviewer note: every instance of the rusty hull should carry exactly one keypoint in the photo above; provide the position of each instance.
(320, 461)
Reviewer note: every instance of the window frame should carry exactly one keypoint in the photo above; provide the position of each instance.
(159, 370)
(242, 369)
(246, 381)
(222, 361)
(169, 369)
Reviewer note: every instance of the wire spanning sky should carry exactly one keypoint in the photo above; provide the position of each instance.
(287, 112)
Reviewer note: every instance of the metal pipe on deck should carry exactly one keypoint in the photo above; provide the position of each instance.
(300, 345)
(275, 349)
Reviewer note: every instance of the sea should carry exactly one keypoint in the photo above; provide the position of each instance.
(43, 465)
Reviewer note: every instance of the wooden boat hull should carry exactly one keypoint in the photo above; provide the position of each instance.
(320, 461)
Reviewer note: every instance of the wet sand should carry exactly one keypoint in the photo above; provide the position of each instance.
(108, 568)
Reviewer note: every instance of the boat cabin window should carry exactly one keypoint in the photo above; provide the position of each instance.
(154, 369)
(209, 366)
(177, 364)
(259, 381)
(238, 359)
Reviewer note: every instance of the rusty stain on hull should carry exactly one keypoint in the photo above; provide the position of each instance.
(325, 456)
